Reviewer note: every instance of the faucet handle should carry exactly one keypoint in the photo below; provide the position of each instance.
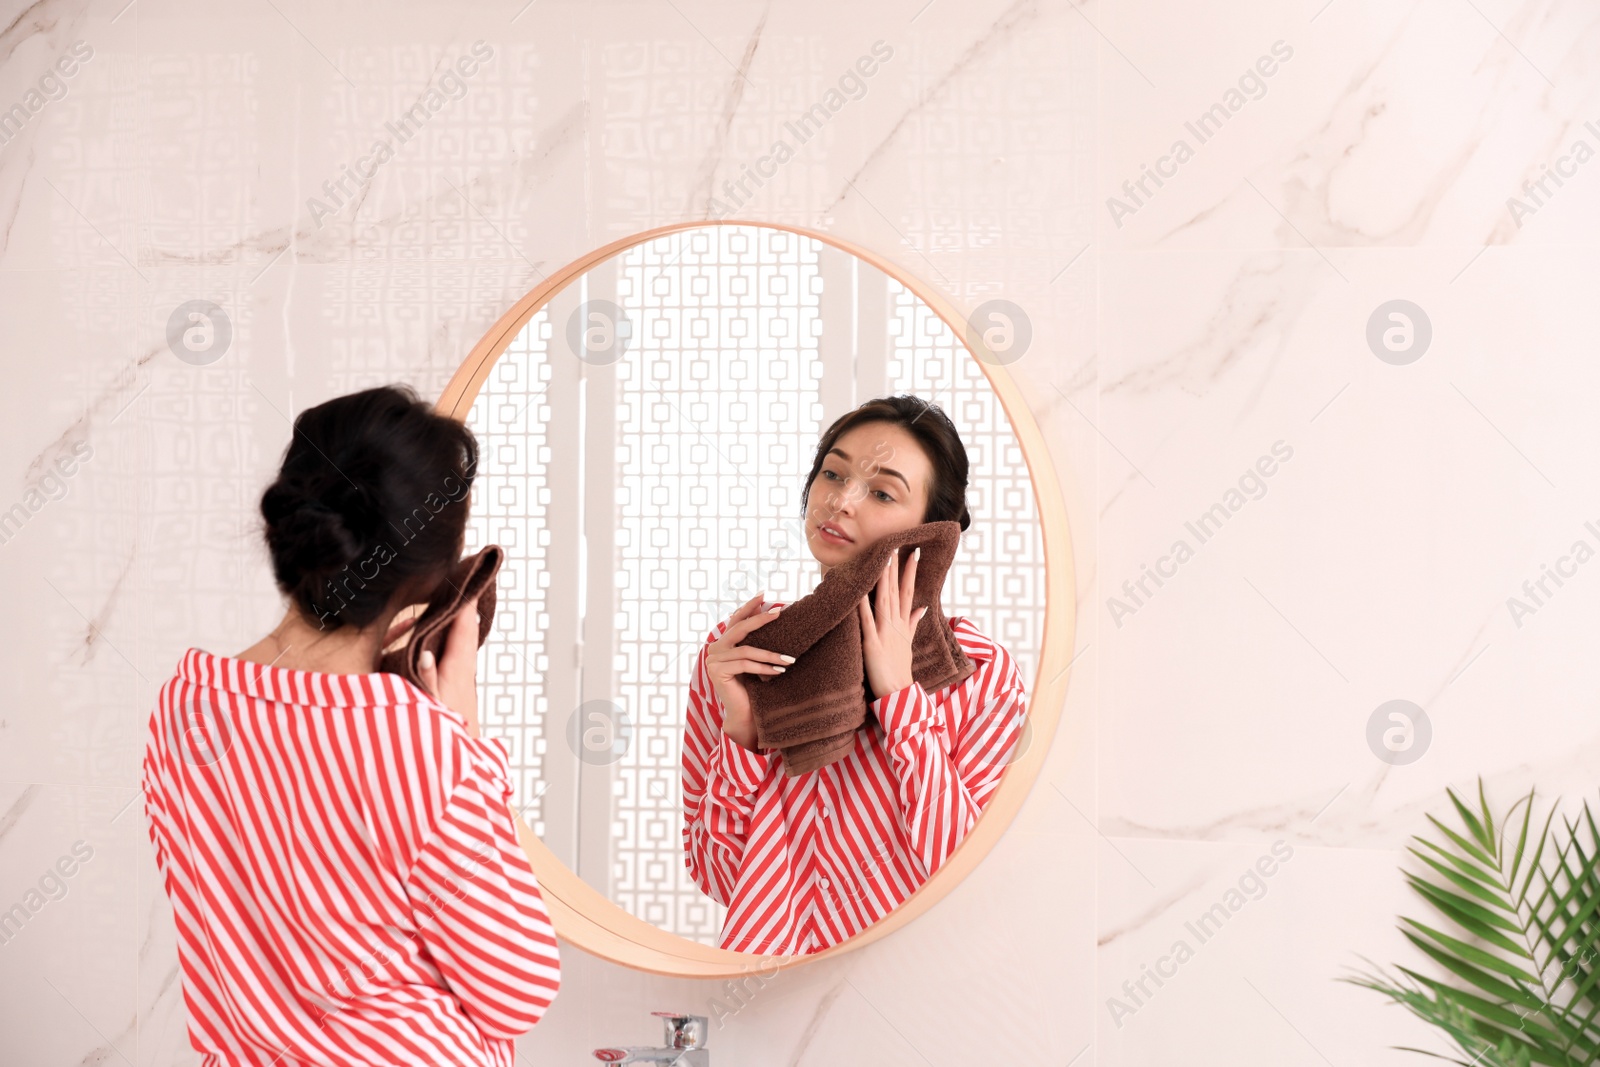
(683, 1031)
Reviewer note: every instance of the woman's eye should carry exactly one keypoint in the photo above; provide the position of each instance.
(834, 477)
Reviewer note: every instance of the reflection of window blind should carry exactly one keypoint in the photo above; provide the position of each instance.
(997, 578)
(509, 499)
(718, 419)
(730, 378)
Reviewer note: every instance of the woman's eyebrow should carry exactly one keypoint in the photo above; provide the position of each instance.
(881, 470)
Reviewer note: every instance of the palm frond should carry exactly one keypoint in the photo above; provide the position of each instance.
(1519, 940)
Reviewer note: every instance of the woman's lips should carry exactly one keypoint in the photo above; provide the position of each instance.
(827, 534)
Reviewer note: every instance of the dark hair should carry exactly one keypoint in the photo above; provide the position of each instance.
(947, 496)
(377, 480)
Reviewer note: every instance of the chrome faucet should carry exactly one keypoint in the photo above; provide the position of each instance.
(685, 1044)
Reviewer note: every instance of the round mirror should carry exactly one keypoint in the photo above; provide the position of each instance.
(650, 423)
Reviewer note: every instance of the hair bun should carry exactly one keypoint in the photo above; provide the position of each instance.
(356, 506)
(307, 535)
(352, 477)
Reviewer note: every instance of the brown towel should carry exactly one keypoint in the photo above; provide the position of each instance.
(812, 711)
(471, 577)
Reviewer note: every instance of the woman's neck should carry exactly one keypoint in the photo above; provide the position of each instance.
(297, 644)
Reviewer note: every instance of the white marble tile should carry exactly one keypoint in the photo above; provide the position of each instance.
(1375, 564)
(69, 936)
(1257, 981)
(1228, 312)
(1364, 124)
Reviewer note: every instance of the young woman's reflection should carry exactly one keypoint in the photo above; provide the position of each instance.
(805, 862)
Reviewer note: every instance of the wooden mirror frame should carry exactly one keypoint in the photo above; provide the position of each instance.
(584, 916)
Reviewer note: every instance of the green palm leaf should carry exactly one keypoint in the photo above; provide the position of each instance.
(1519, 943)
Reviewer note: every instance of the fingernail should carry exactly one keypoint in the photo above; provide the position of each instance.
(774, 611)
(918, 553)
(780, 670)
(425, 661)
(786, 659)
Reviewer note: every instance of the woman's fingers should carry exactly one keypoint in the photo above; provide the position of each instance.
(744, 611)
(739, 630)
(460, 653)
(747, 608)
(722, 653)
(752, 652)
(429, 672)
(461, 645)
(892, 584)
(889, 587)
(908, 581)
(752, 666)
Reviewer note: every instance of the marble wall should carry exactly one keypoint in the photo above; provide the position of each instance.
(1316, 161)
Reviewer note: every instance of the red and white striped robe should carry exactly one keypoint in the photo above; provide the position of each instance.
(803, 863)
(344, 871)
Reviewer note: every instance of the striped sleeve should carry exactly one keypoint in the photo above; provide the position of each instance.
(154, 810)
(943, 781)
(720, 782)
(990, 734)
(477, 905)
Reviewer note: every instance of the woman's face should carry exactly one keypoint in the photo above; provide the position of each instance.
(873, 482)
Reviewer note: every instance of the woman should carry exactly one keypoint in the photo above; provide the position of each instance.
(343, 868)
(805, 862)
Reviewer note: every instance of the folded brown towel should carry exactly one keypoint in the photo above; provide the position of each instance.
(811, 712)
(471, 577)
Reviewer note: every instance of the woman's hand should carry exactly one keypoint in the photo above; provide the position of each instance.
(727, 659)
(886, 633)
(453, 681)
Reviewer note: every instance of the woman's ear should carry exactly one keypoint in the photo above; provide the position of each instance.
(401, 626)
